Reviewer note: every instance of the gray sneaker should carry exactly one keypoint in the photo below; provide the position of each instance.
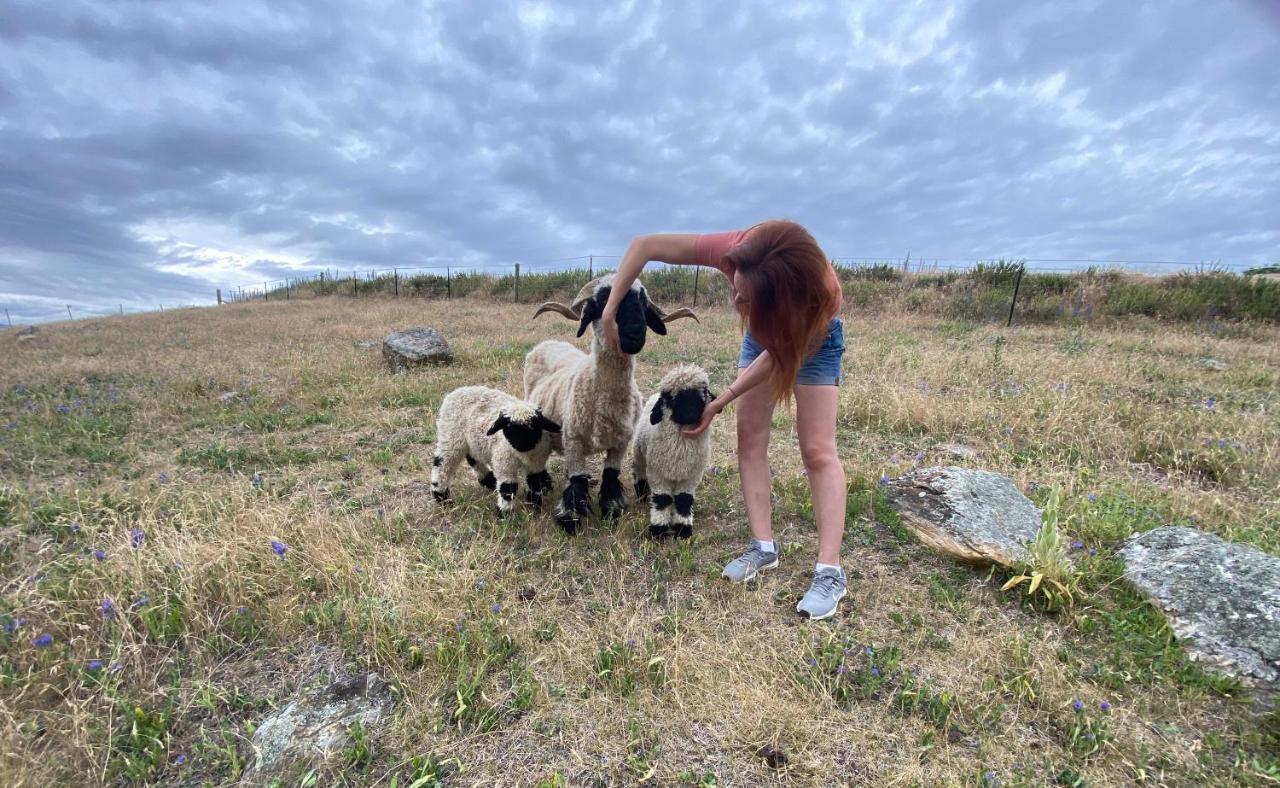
(826, 591)
(745, 566)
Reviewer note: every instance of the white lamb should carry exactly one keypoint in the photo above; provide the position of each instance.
(667, 463)
(593, 395)
(468, 426)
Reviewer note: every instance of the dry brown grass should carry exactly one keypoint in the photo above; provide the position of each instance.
(376, 572)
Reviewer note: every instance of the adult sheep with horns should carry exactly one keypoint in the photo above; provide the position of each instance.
(593, 396)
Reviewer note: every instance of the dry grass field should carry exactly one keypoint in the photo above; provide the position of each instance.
(519, 656)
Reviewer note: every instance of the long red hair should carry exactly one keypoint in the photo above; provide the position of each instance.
(790, 296)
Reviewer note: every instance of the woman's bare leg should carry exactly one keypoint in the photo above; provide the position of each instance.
(816, 427)
(754, 413)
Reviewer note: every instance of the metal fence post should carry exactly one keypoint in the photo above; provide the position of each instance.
(448, 283)
(1017, 282)
(516, 297)
(395, 274)
(219, 296)
(591, 267)
(69, 317)
(355, 285)
(696, 270)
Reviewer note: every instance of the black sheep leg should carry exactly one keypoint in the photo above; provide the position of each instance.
(537, 485)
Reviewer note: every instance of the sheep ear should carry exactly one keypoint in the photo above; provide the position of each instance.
(707, 394)
(655, 415)
(590, 311)
(547, 424)
(653, 319)
(499, 424)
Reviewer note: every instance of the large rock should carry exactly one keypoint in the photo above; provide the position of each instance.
(1222, 598)
(413, 346)
(317, 724)
(973, 516)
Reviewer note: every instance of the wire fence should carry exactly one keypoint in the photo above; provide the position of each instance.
(521, 282)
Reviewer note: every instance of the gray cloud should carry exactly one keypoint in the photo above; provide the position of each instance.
(149, 153)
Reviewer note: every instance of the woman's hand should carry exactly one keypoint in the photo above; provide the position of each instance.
(609, 325)
(708, 413)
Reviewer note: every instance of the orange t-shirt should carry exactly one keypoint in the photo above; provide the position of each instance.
(710, 249)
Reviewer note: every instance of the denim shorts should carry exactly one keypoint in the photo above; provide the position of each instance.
(820, 369)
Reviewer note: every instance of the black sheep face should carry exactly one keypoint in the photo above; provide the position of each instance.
(686, 406)
(524, 437)
(635, 314)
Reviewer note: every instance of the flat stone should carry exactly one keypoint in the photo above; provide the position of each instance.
(228, 396)
(957, 450)
(415, 346)
(973, 516)
(316, 725)
(1213, 364)
(365, 344)
(1222, 599)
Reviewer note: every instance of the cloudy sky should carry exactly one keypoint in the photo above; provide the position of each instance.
(152, 151)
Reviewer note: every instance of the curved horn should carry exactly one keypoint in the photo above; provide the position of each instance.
(558, 308)
(683, 311)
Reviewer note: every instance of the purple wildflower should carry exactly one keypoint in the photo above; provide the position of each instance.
(894, 460)
(631, 643)
(36, 578)
(162, 477)
(919, 457)
(1093, 497)
(458, 626)
(990, 779)
(116, 667)
(242, 610)
(1209, 403)
(140, 602)
(840, 671)
(870, 651)
(43, 641)
(1093, 551)
(1104, 706)
(95, 665)
(480, 583)
(1077, 545)
(181, 759)
(256, 479)
(813, 663)
(100, 555)
(1077, 705)
(497, 608)
(135, 538)
(884, 480)
(12, 626)
(108, 608)
(75, 528)
(63, 409)
(875, 671)
(279, 548)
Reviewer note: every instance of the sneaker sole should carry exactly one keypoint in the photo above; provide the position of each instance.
(753, 574)
(829, 613)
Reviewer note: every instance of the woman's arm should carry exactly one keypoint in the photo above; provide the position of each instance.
(673, 248)
(752, 376)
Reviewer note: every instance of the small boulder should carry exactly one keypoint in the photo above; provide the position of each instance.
(316, 725)
(973, 516)
(1221, 597)
(958, 450)
(414, 346)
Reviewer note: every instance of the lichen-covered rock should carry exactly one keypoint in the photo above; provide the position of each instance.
(414, 346)
(316, 725)
(1222, 598)
(973, 516)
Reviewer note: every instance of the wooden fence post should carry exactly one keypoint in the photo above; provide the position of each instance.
(395, 273)
(286, 289)
(266, 294)
(516, 297)
(696, 270)
(448, 283)
(906, 262)
(355, 285)
(219, 296)
(322, 283)
(591, 267)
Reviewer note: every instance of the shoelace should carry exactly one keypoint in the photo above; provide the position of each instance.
(829, 583)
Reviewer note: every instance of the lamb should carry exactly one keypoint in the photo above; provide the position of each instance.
(469, 424)
(594, 396)
(665, 462)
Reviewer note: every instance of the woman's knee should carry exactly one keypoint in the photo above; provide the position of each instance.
(819, 455)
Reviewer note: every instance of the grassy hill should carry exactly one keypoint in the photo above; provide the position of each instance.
(152, 460)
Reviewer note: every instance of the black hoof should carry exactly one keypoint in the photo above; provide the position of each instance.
(440, 495)
(613, 509)
(642, 489)
(659, 532)
(682, 531)
(489, 481)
